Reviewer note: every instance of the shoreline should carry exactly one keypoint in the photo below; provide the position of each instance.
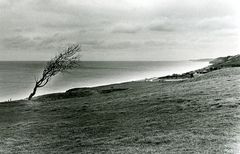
(213, 65)
(198, 115)
(145, 79)
(129, 81)
(144, 117)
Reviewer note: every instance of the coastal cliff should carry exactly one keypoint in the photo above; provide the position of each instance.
(215, 64)
(197, 115)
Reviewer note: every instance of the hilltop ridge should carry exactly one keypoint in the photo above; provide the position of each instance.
(215, 64)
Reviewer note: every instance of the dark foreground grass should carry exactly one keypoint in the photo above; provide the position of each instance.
(199, 115)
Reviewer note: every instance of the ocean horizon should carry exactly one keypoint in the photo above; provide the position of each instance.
(17, 78)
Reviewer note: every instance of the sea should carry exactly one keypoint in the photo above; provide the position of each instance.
(17, 78)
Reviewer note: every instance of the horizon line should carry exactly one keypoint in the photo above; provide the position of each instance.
(201, 59)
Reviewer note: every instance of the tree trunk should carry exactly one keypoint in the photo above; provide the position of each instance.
(33, 93)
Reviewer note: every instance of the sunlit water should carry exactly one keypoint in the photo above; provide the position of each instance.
(17, 78)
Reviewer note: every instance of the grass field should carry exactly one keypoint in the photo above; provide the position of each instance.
(198, 115)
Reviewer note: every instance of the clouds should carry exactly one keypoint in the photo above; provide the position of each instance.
(116, 26)
(16, 42)
(126, 28)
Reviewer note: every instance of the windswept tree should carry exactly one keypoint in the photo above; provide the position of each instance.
(67, 59)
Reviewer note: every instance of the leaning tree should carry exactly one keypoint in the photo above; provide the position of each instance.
(67, 59)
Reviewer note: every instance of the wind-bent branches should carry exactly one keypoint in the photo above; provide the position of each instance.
(66, 60)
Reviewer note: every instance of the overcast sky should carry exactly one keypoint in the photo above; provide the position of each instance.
(119, 29)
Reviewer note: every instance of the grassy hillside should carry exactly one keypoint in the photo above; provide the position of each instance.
(215, 64)
(229, 61)
(199, 115)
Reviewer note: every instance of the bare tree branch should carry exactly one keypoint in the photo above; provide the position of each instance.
(67, 59)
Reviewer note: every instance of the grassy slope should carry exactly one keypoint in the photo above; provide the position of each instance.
(197, 115)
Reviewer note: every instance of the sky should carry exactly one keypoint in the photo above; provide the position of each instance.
(121, 30)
